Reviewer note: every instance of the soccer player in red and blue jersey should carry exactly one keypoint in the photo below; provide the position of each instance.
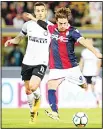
(62, 60)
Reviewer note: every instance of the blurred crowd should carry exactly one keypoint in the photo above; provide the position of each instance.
(83, 13)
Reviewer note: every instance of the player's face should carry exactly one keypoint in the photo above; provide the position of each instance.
(62, 24)
(40, 12)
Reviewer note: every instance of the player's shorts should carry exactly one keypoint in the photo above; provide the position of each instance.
(90, 79)
(73, 75)
(27, 71)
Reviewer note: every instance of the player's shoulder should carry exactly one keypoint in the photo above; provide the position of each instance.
(52, 27)
(73, 28)
(30, 22)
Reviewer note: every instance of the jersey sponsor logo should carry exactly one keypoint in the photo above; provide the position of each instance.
(61, 38)
(38, 40)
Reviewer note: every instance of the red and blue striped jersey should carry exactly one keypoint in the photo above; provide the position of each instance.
(62, 54)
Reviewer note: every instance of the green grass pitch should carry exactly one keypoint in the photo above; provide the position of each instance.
(19, 118)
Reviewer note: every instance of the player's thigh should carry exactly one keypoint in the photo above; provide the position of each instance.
(37, 76)
(26, 72)
(75, 76)
(34, 82)
(53, 84)
(55, 74)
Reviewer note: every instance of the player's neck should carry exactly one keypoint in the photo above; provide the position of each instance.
(42, 19)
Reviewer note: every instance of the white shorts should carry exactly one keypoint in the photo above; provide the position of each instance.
(73, 75)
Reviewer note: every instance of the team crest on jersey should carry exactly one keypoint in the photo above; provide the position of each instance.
(45, 33)
(81, 79)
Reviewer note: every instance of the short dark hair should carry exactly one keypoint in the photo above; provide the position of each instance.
(39, 4)
(63, 13)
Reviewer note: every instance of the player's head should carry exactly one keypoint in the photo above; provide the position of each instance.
(40, 10)
(62, 16)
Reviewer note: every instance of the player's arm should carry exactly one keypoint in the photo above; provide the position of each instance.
(19, 37)
(87, 43)
(43, 24)
(16, 40)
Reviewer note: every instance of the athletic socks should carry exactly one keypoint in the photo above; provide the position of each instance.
(36, 93)
(52, 100)
(30, 99)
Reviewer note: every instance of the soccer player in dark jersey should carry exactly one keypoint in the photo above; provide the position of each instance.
(62, 60)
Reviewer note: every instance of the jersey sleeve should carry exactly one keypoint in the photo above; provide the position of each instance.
(43, 24)
(76, 35)
(24, 29)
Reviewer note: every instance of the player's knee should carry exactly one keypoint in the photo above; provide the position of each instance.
(33, 86)
(34, 83)
(51, 85)
(37, 93)
(28, 91)
(85, 86)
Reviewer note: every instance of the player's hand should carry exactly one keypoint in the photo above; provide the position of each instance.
(99, 55)
(11, 41)
(29, 16)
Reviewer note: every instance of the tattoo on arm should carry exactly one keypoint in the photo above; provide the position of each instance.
(18, 38)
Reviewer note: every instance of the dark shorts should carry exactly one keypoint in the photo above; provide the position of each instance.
(27, 71)
(90, 79)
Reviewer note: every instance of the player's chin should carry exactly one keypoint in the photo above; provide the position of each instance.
(62, 30)
(40, 18)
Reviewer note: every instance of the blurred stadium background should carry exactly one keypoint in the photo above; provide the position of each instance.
(87, 17)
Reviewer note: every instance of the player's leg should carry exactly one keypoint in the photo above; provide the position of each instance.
(26, 73)
(75, 76)
(89, 82)
(30, 96)
(52, 86)
(37, 76)
(34, 86)
(93, 84)
(30, 100)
